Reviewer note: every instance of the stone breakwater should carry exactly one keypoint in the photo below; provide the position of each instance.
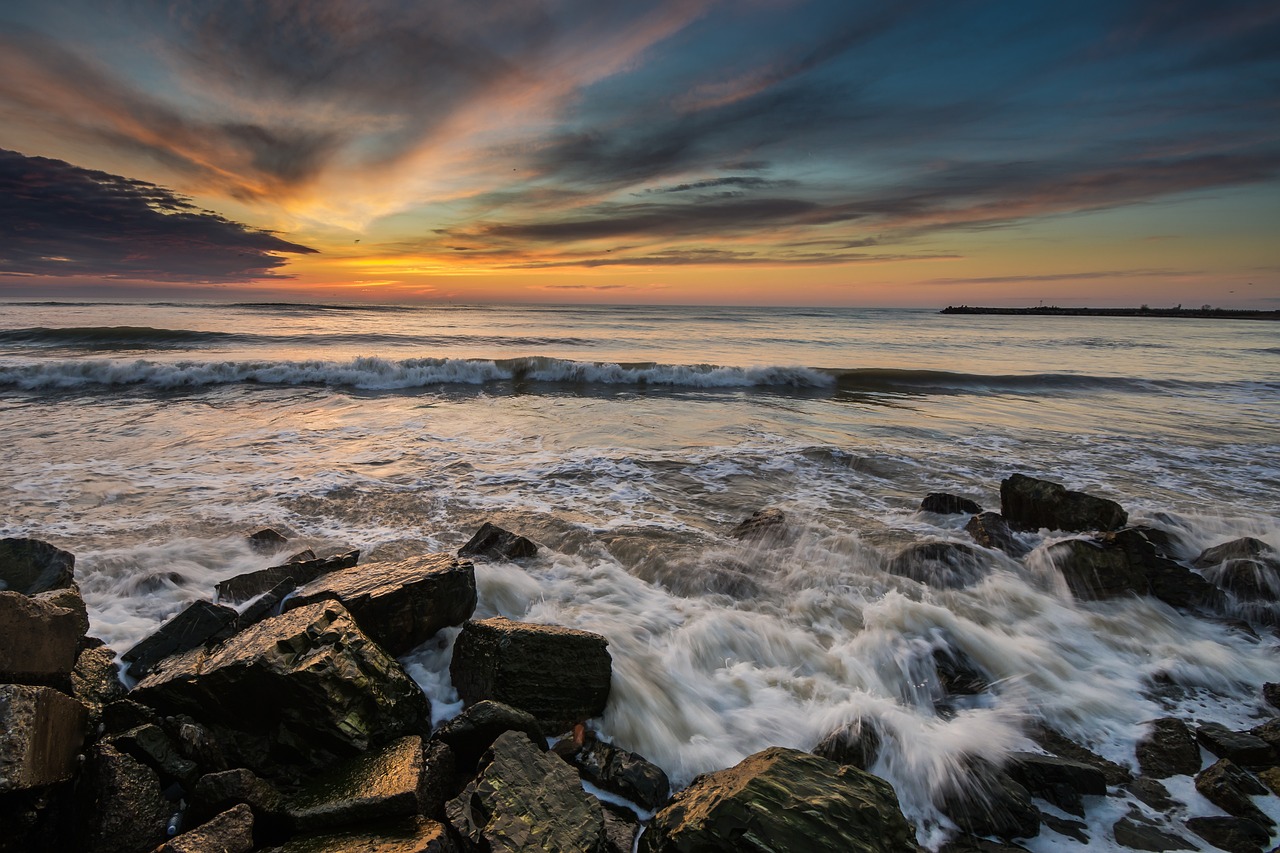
(276, 716)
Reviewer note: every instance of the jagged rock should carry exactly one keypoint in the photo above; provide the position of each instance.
(782, 799)
(214, 793)
(308, 684)
(125, 810)
(306, 555)
(149, 744)
(400, 604)
(470, 734)
(292, 574)
(1233, 834)
(945, 504)
(1229, 787)
(1248, 580)
(559, 675)
(1241, 747)
(990, 530)
(1167, 580)
(1059, 744)
(1271, 694)
(616, 770)
(945, 565)
(267, 539)
(958, 675)
(41, 731)
(524, 799)
(270, 603)
(95, 681)
(857, 744)
(124, 714)
(199, 623)
(30, 566)
(1139, 834)
(229, 832)
(41, 820)
(41, 640)
(1268, 731)
(766, 526)
(1246, 548)
(1059, 780)
(407, 835)
(1169, 749)
(1033, 504)
(494, 543)
(1093, 572)
(1073, 829)
(1270, 777)
(973, 844)
(990, 802)
(1152, 793)
(620, 828)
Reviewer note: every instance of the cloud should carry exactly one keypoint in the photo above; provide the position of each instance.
(60, 220)
(1092, 275)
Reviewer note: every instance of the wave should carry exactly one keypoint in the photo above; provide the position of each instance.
(146, 337)
(910, 381)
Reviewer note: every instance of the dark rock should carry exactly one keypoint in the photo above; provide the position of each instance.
(306, 555)
(407, 835)
(1073, 829)
(1271, 694)
(1059, 780)
(402, 604)
(125, 811)
(266, 540)
(1241, 747)
(124, 714)
(198, 742)
(293, 573)
(958, 675)
(494, 543)
(229, 832)
(559, 675)
(1139, 834)
(990, 802)
(1093, 572)
(990, 530)
(270, 603)
(1169, 581)
(1059, 744)
(1248, 580)
(524, 799)
(1032, 504)
(470, 734)
(41, 731)
(781, 799)
(944, 565)
(1229, 787)
(1233, 834)
(386, 783)
(973, 844)
(1151, 793)
(1268, 731)
(41, 640)
(1246, 548)
(152, 746)
(200, 623)
(41, 820)
(309, 685)
(95, 681)
(945, 504)
(1270, 777)
(620, 828)
(214, 793)
(616, 770)
(857, 744)
(30, 566)
(766, 526)
(1169, 749)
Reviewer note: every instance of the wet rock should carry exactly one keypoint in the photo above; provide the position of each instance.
(41, 731)
(292, 574)
(493, 543)
(1246, 548)
(1139, 834)
(308, 684)
(525, 799)
(1271, 694)
(386, 783)
(766, 526)
(616, 770)
(945, 504)
(215, 793)
(1169, 749)
(229, 832)
(152, 746)
(1073, 829)
(958, 675)
(620, 828)
(41, 640)
(30, 566)
(407, 835)
(1271, 778)
(270, 603)
(124, 714)
(1248, 580)
(857, 744)
(125, 812)
(781, 799)
(1032, 504)
(1167, 580)
(973, 844)
(1241, 747)
(306, 555)
(38, 821)
(1093, 573)
(267, 539)
(1268, 731)
(1150, 792)
(1229, 788)
(990, 530)
(990, 802)
(1233, 834)
(1059, 780)
(199, 623)
(559, 675)
(944, 565)
(400, 604)
(95, 681)
(1059, 744)
(470, 734)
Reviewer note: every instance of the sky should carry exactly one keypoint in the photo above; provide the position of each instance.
(674, 151)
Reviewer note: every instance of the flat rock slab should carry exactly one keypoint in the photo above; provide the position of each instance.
(1241, 747)
(385, 783)
(30, 566)
(1032, 504)
(41, 731)
(229, 832)
(399, 604)
(1061, 781)
(1169, 749)
(198, 623)
(558, 675)
(295, 573)
(41, 639)
(411, 835)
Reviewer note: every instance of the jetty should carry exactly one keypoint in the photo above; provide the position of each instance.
(1202, 313)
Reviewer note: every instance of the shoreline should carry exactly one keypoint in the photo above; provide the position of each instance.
(1181, 313)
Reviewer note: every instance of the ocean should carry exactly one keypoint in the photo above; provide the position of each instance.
(150, 438)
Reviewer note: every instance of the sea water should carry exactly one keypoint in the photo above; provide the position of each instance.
(149, 438)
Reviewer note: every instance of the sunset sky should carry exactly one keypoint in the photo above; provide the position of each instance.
(754, 151)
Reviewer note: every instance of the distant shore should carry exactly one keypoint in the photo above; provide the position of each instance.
(1055, 311)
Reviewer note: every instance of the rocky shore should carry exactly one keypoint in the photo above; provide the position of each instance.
(275, 716)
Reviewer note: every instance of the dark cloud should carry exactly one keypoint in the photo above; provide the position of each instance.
(60, 220)
(734, 181)
(1092, 275)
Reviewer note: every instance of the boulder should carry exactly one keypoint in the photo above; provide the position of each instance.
(1268, 731)
(990, 802)
(1062, 746)
(1233, 834)
(1137, 833)
(1093, 572)
(1241, 747)
(400, 604)
(199, 623)
(1032, 504)
(95, 681)
(620, 828)
(215, 793)
(1246, 548)
(765, 526)
(41, 731)
(41, 640)
(309, 685)
(470, 734)
(1077, 830)
(386, 783)
(1247, 580)
(857, 744)
(292, 574)
(616, 770)
(41, 820)
(229, 832)
(1229, 788)
(406, 835)
(944, 565)
(990, 530)
(1058, 780)
(30, 566)
(306, 555)
(267, 540)
(124, 809)
(493, 543)
(958, 674)
(945, 504)
(1167, 580)
(1270, 777)
(150, 744)
(1150, 792)
(558, 675)
(1271, 694)
(781, 799)
(1169, 749)
(524, 799)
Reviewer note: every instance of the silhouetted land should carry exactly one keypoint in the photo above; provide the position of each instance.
(1144, 311)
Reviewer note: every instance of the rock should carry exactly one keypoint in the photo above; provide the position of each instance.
(1032, 504)
(494, 543)
(857, 744)
(1248, 580)
(958, 675)
(124, 714)
(524, 799)
(1093, 573)
(1142, 835)
(41, 731)
(1172, 583)
(229, 832)
(620, 828)
(990, 802)
(1073, 829)
(990, 530)
(1233, 834)
(1059, 780)
(292, 574)
(1271, 778)
(41, 820)
(30, 566)
(401, 604)
(1169, 749)
(306, 555)
(1246, 548)
(270, 603)
(1241, 747)
(1229, 787)
(309, 684)
(386, 783)
(266, 540)
(559, 675)
(1059, 744)
(407, 835)
(470, 734)
(149, 744)
(1271, 694)
(1151, 793)
(215, 793)
(616, 770)
(1268, 731)
(95, 681)
(973, 844)
(125, 810)
(781, 799)
(945, 504)
(766, 526)
(944, 565)
(41, 640)
(199, 623)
